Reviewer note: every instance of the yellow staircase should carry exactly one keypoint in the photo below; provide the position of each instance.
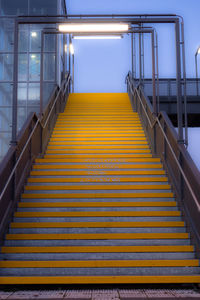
(98, 207)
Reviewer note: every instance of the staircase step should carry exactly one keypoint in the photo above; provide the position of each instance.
(101, 279)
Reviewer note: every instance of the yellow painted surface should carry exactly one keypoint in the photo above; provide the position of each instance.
(100, 264)
(96, 224)
(96, 160)
(95, 195)
(98, 166)
(98, 172)
(28, 214)
(100, 279)
(99, 249)
(99, 204)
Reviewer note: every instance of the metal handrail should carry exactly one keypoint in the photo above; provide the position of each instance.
(168, 143)
(30, 136)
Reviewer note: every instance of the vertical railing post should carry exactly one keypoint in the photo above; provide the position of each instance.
(41, 73)
(153, 73)
(15, 85)
(178, 83)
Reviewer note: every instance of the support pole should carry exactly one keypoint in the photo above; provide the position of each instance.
(132, 61)
(197, 79)
(41, 73)
(72, 73)
(140, 57)
(153, 73)
(15, 85)
(178, 84)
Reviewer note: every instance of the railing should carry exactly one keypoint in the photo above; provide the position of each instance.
(181, 170)
(31, 142)
(167, 87)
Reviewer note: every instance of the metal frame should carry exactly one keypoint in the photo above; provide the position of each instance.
(132, 19)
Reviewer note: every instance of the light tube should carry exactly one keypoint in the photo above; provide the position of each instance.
(97, 27)
(97, 37)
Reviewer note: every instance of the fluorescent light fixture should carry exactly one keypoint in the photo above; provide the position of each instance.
(198, 51)
(65, 48)
(96, 27)
(71, 49)
(33, 56)
(34, 34)
(97, 37)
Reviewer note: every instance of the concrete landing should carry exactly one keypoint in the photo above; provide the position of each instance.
(104, 294)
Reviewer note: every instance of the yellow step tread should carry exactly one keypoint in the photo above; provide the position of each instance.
(99, 204)
(109, 143)
(63, 145)
(100, 279)
(100, 263)
(96, 236)
(98, 187)
(96, 160)
(143, 224)
(99, 156)
(88, 131)
(94, 172)
(100, 151)
(98, 166)
(38, 214)
(95, 195)
(96, 136)
(99, 249)
(98, 179)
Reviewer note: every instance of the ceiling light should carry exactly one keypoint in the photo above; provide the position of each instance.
(71, 49)
(34, 34)
(96, 27)
(97, 37)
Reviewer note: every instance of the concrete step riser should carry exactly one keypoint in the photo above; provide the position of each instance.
(99, 271)
(110, 242)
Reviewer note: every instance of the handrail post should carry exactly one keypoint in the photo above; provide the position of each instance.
(15, 85)
(153, 73)
(41, 73)
(178, 84)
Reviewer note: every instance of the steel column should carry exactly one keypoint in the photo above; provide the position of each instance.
(132, 62)
(153, 73)
(140, 58)
(197, 75)
(178, 83)
(15, 85)
(41, 73)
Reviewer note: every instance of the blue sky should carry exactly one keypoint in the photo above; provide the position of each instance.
(101, 66)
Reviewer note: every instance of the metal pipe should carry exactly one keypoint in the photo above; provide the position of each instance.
(140, 58)
(15, 85)
(153, 73)
(157, 74)
(184, 81)
(41, 73)
(72, 73)
(132, 62)
(178, 84)
(197, 75)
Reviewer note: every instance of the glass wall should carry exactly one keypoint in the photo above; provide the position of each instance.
(28, 61)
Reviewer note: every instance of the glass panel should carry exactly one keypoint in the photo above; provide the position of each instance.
(21, 117)
(16, 7)
(43, 7)
(5, 94)
(49, 43)
(6, 67)
(6, 35)
(47, 91)
(49, 66)
(23, 40)
(34, 67)
(34, 93)
(22, 93)
(23, 67)
(5, 118)
(5, 138)
(35, 40)
(35, 109)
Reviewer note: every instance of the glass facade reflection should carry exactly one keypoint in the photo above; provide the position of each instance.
(28, 62)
